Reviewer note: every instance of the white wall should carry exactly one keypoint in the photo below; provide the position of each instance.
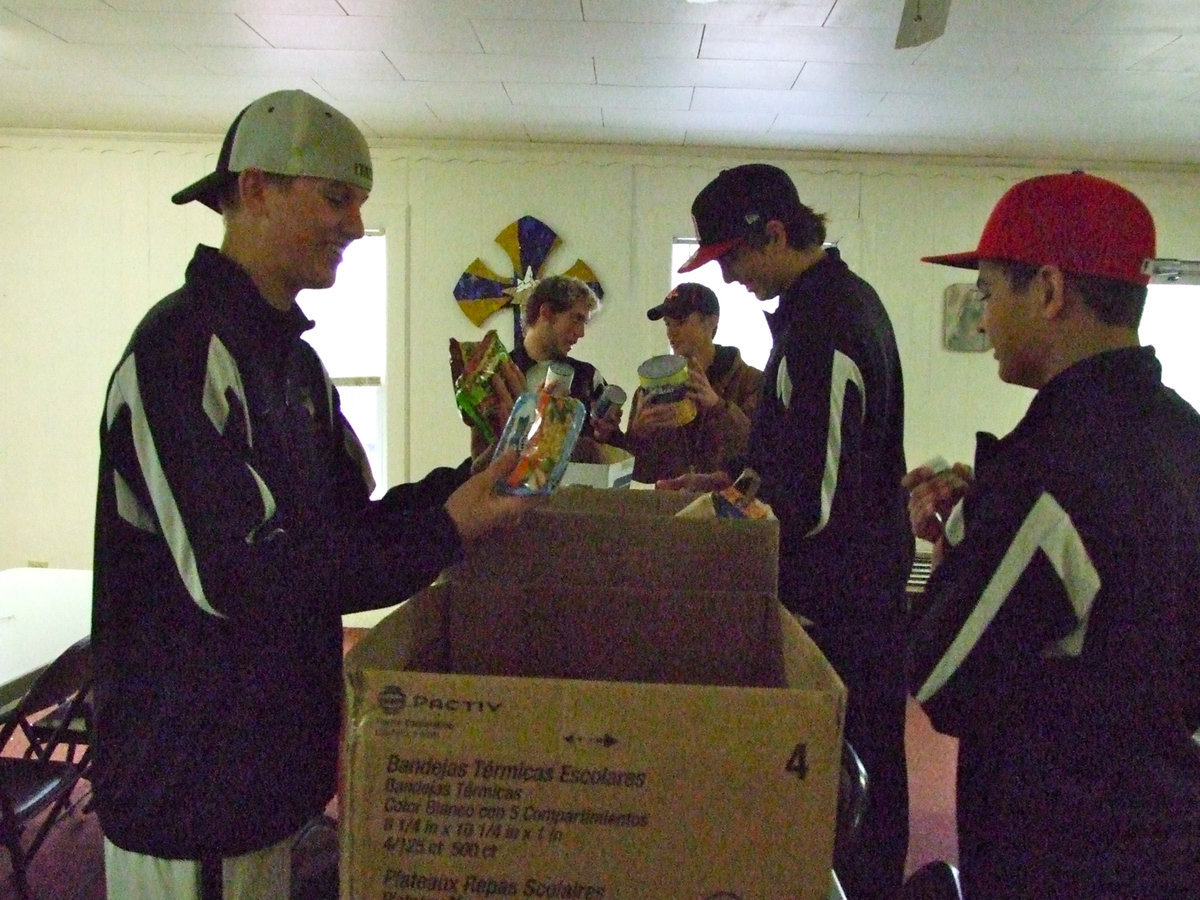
(89, 240)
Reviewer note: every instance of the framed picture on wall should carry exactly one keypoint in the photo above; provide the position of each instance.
(962, 314)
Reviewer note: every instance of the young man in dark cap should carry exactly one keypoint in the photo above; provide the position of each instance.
(1060, 641)
(828, 442)
(234, 528)
(724, 388)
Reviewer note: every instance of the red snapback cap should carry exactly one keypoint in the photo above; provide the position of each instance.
(1080, 223)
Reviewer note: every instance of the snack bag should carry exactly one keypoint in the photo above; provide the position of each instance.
(737, 501)
(472, 365)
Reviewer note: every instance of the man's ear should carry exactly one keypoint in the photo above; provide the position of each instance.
(251, 186)
(775, 231)
(1051, 288)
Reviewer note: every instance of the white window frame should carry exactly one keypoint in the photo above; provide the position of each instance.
(742, 322)
(355, 352)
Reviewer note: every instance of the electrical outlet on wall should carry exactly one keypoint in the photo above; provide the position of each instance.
(38, 564)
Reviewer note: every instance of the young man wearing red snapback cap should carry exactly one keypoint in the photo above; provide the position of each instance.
(1060, 640)
(234, 527)
(828, 441)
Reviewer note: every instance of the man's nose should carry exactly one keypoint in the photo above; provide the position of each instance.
(353, 223)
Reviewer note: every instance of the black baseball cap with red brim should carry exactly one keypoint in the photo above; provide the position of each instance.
(737, 205)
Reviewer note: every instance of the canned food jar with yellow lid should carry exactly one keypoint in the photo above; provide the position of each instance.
(664, 379)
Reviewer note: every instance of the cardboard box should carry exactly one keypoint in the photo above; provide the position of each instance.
(607, 703)
(628, 540)
(463, 786)
(601, 584)
(616, 634)
(615, 471)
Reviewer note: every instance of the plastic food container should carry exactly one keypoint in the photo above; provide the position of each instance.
(543, 428)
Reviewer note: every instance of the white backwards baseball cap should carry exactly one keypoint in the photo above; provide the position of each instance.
(286, 133)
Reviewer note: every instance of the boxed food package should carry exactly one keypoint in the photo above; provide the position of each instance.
(609, 703)
(464, 785)
(614, 469)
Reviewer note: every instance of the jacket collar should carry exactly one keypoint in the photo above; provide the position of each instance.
(229, 285)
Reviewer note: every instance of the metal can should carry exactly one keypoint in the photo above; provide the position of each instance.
(558, 379)
(612, 395)
(664, 380)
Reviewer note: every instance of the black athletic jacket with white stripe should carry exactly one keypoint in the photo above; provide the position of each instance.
(828, 441)
(1062, 643)
(233, 528)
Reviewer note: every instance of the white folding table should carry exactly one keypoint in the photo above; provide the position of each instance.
(42, 613)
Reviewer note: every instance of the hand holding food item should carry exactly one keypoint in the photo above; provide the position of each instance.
(737, 501)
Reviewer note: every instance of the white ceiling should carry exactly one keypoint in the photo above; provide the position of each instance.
(1065, 79)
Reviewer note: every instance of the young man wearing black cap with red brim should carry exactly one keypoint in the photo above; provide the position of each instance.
(1060, 640)
(828, 442)
(234, 527)
(724, 388)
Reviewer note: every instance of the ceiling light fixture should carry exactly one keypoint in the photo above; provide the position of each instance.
(921, 22)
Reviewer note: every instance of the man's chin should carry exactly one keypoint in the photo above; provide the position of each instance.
(322, 277)
(758, 292)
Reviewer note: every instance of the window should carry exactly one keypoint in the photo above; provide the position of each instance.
(742, 322)
(350, 338)
(1171, 320)
(1169, 324)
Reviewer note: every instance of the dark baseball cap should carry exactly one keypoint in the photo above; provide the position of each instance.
(684, 299)
(738, 203)
(286, 133)
(1078, 222)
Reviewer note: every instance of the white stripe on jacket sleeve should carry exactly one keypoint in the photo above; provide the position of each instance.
(1049, 529)
(845, 372)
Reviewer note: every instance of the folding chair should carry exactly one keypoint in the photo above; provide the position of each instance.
(69, 724)
(937, 880)
(852, 803)
(42, 779)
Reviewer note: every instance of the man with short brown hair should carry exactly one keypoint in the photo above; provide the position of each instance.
(828, 441)
(555, 317)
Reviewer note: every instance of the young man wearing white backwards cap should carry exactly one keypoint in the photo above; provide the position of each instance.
(234, 528)
(1060, 640)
